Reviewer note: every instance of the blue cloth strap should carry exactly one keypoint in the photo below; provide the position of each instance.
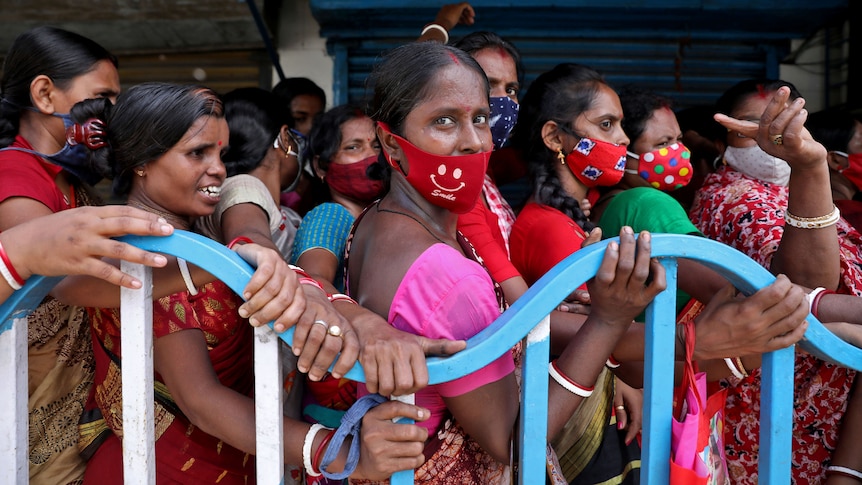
(350, 424)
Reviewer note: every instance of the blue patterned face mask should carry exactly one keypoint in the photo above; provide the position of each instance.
(73, 158)
(504, 115)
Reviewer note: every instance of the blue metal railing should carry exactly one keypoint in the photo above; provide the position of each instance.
(528, 318)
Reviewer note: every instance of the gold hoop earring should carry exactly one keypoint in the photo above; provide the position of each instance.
(561, 157)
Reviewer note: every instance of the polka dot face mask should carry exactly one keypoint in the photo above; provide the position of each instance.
(666, 169)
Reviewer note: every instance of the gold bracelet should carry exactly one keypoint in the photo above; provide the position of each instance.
(741, 367)
(812, 222)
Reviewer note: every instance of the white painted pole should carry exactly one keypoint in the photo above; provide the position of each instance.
(268, 412)
(136, 314)
(13, 403)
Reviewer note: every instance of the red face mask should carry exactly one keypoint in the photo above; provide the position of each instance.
(351, 179)
(453, 183)
(597, 163)
(853, 172)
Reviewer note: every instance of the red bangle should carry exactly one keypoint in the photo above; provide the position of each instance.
(237, 240)
(15, 276)
(305, 280)
(612, 363)
(301, 272)
(816, 301)
(318, 455)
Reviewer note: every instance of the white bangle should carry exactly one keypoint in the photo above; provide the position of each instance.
(812, 222)
(843, 470)
(306, 448)
(438, 27)
(567, 383)
(812, 295)
(733, 370)
(8, 276)
(187, 276)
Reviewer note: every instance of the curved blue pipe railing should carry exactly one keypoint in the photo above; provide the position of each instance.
(540, 300)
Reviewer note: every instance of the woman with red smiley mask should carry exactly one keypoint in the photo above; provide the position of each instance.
(409, 263)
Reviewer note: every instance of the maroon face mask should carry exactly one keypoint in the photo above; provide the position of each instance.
(351, 179)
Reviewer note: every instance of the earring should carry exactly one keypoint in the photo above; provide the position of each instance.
(139, 173)
(561, 157)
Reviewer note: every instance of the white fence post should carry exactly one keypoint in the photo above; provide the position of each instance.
(268, 411)
(14, 465)
(136, 313)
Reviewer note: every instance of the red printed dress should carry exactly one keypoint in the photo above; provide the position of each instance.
(748, 215)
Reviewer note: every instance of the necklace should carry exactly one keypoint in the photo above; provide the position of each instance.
(418, 221)
(173, 219)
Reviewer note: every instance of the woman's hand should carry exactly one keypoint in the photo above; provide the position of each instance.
(453, 14)
(770, 319)
(627, 280)
(781, 131)
(271, 293)
(76, 240)
(317, 343)
(387, 447)
(628, 404)
(393, 360)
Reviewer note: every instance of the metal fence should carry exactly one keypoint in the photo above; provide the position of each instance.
(527, 318)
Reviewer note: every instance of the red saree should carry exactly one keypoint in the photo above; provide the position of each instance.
(184, 453)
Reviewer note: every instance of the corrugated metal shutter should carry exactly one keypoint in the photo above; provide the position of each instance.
(692, 72)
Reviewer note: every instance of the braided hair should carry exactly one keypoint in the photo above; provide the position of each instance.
(558, 95)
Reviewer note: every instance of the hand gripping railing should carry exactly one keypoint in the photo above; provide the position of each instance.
(527, 317)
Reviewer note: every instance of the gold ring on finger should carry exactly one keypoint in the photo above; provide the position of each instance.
(321, 322)
(777, 139)
(335, 331)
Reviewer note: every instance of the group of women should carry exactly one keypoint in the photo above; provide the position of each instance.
(405, 261)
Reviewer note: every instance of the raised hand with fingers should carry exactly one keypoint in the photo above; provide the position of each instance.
(781, 131)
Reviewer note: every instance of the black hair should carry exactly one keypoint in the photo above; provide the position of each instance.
(638, 107)
(833, 128)
(737, 94)
(700, 120)
(56, 53)
(292, 87)
(403, 79)
(146, 122)
(476, 41)
(558, 95)
(255, 120)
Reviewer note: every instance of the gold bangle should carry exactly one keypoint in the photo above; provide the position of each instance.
(741, 367)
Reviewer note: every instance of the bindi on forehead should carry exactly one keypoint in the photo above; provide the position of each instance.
(219, 143)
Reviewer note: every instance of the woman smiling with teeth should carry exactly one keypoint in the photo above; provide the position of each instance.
(163, 145)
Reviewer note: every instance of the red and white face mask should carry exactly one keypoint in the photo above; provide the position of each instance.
(450, 182)
(597, 163)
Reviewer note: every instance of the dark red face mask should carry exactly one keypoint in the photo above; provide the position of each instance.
(351, 179)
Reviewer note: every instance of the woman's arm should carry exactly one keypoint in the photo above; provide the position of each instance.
(77, 241)
(182, 359)
(809, 257)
